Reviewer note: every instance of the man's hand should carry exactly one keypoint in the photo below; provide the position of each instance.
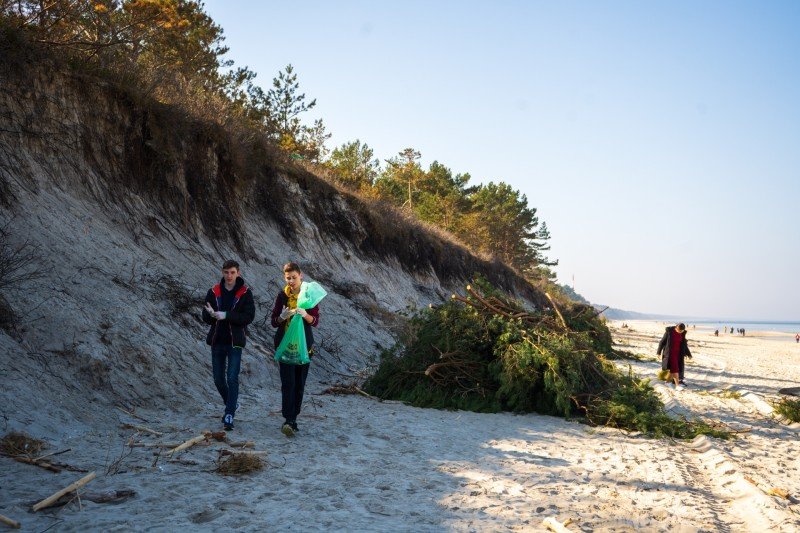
(219, 315)
(286, 313)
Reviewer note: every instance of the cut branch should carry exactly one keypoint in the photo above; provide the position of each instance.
(47, 502)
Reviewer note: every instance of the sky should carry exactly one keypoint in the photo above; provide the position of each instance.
(659, 141)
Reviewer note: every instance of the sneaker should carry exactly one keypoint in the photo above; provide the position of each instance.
(228, 422)
(287, 429)
(682, 383)
(294, 427)
(679, 387)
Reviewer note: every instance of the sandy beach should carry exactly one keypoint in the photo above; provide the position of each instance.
(363, 465)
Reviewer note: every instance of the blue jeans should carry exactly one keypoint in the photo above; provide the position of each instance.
(227, 382)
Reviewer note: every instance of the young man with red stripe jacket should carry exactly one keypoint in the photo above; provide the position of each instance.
(229, 309)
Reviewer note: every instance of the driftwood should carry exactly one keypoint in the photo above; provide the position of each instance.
(36, 462)
(112, 496)
(47, 502)
(51, 454)
(352, 388)
(191, 442)
(154, 444)
(40, 464)
(10, 523)
(43, 461)
(141, 429)
(133, 414)
(554, 525)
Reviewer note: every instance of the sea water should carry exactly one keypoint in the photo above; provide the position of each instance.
(753, 325)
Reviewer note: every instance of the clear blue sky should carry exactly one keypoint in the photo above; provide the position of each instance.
(660, 141)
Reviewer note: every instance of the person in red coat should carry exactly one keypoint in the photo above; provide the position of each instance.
(673, 348)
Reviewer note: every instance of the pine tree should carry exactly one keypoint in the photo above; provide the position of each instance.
(354, 165)
(285, 103)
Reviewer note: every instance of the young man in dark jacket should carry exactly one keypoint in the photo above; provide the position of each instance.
(229, 309)
(672, 349)
(293, 377)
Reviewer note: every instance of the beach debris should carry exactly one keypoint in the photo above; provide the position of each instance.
(486, 352)
(790, 391)
(774, 491)
(141, 429)
(9, 522)
(24, 449)
(554, 525)
(154, 444)
(40, 464)
(51, 500)
(132, 413)
(781, 493)
(241, 444)
(238, 463)
(15, 443)
(111, 496)
(206, 435)
(349, 388)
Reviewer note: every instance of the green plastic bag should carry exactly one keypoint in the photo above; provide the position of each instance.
(293, 349)
(310, 295)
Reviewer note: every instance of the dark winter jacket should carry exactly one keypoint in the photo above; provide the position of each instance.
(664, 349)
(282, 301)
(240, 308)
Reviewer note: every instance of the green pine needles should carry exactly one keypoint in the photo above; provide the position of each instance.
(484, 352)
(789, 408)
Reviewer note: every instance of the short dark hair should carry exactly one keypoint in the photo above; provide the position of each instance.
(681, 326)
(230, 263)
(292, 267)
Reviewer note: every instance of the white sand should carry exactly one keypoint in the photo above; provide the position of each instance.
(362, 465)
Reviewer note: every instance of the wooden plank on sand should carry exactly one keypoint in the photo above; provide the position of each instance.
(554, 525)
(10, 523)
(47, 502)
(189, 443)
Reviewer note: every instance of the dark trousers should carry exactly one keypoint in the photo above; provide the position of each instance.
(293, 384)
(227, 380)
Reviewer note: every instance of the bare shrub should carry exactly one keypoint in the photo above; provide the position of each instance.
(237, 464)
(19, 263)
(15, 443)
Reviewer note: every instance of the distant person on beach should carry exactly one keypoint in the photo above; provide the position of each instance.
(673, 348)
(716, 333)
(229, 309)
(293, 375)
(797, 338)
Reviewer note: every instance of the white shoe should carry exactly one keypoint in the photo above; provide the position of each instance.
(679, 387)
